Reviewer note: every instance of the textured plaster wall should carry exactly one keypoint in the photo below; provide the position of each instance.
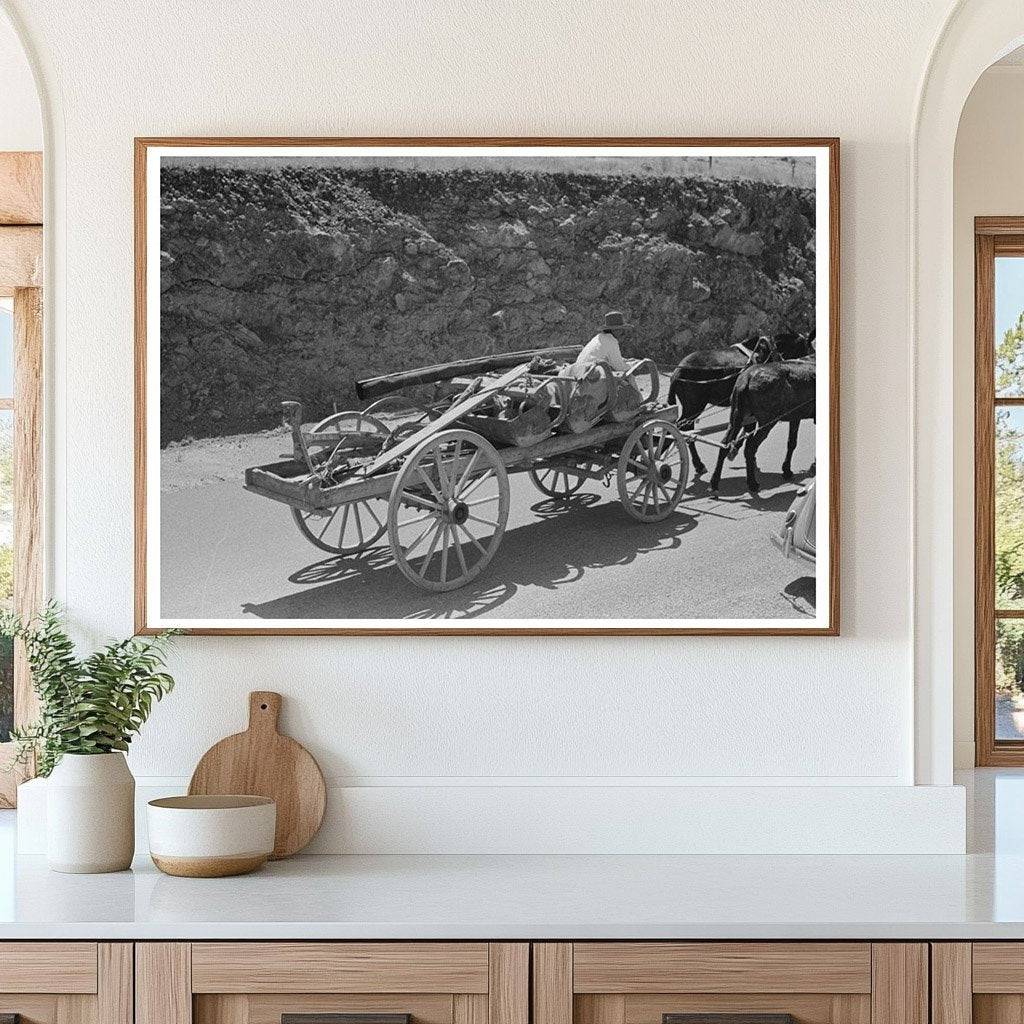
(735, 711)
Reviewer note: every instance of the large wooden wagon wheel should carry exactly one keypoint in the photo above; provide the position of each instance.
(653, 470)
(448, 510)
(356, 525)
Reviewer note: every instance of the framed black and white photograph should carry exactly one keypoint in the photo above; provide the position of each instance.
(487, 386)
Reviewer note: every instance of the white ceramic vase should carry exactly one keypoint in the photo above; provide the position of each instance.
(90, 814)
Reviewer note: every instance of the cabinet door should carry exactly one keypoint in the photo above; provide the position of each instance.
(736, 982)
(66, 982)
(332, 983)
(981, 982)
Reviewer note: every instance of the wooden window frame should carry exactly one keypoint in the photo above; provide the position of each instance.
(993, 236)
(21, 271)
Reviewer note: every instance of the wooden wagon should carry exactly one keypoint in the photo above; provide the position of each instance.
(437, 483)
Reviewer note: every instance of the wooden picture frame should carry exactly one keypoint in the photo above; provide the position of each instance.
(148, 620)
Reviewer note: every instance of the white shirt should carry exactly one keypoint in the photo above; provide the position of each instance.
(602, 347)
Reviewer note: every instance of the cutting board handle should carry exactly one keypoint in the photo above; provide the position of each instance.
(264, 710)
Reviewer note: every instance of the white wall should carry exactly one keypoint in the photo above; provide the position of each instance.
(988, 181)
(443, 713)
(21, 125)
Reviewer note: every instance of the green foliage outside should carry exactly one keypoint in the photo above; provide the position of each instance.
(1009, 510)
(6, 688)
(90, 705)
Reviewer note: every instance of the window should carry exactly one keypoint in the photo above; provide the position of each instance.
(999, 490)
(6, 509)
(21, 374)
(21, 352)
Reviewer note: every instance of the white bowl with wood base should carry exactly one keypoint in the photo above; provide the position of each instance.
(211, 836)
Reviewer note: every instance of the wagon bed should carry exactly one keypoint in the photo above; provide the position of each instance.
(289, 481)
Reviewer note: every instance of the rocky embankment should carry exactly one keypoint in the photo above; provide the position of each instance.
(293, 282)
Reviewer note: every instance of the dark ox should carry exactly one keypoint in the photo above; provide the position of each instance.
(762, 397)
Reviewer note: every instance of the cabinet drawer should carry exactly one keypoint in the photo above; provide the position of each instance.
(630, 967)
(340, 967)
(48, 967)
(263, 982)
(733, 982)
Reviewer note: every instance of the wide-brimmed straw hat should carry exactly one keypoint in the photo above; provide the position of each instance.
(614, 319)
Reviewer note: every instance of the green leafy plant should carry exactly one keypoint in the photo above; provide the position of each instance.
(90, 705)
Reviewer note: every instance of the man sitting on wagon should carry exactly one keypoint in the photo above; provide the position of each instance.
(603, 347)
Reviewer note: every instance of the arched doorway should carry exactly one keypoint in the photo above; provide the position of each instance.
(976, 33)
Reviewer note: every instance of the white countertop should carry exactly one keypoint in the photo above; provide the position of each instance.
(532, 897)
(978, 896)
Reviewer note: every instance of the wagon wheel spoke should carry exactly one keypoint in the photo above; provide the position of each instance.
(327, 525)
(476, 484)
(444, 552)
(459, 553)
(419, 540)
(473, 459)
(359, 522)
(428, 557)
(368, 508)
(430, 486)
(417, 519)
(474, 541)
(442, 477)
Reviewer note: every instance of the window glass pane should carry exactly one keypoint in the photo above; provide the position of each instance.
(1009, 512)
(1009, 679)
(1009, 324)
(6, 567)
(6, 348)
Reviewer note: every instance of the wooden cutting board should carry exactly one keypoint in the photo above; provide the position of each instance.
(262, 762)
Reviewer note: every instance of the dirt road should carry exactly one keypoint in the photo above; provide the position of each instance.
(226, 553)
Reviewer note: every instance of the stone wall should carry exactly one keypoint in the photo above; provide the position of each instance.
(293, 282)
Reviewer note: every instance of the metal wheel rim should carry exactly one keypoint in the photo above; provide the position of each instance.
(643, 491)
(453, 474)
(546, 480)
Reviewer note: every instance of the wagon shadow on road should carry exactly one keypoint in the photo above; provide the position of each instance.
(550, 553)
(776, 495)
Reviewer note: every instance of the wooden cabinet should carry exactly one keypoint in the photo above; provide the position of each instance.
(647, 982)
(66, 982)
(261, 982)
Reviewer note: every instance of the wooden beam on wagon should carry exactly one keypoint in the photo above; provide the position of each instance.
(21, 188)
(374, 387)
